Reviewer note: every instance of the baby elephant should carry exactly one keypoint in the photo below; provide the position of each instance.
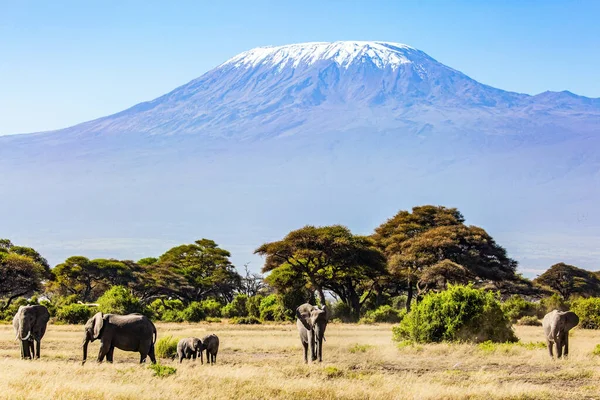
(211, 344)
(188, 348)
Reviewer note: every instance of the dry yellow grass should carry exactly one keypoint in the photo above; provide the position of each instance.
(265, 362)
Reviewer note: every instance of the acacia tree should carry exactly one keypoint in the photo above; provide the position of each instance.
(327, 258)
(21, 271)
(434, 240)
(206, 269)
(568, 280)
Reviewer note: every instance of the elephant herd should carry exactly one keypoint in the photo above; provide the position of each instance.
(136, 333)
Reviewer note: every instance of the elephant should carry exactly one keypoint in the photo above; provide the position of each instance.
(132, 332)
(311, 322)
(190, 347)
(557, 325)
(211, 344)
(29, 324)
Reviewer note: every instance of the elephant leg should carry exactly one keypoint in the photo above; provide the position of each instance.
(311, 346)
(566, 344)
(194, 355)
(30, 350)
(305, 345)
(201, 357)
(109, 355)
(320, 349)
(104, 348)
(559, 348)
(215, 358)
(550, 345)
(151, 354)
(25, 350)
(38, 345)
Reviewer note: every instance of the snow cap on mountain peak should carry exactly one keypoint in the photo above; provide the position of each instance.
(382, 54)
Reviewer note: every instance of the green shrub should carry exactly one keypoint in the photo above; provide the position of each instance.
(554, 302)
(166, 347)
(211, 307)
(245, 320)
(237, 308)
(342, 311)
(119, 300)
(74, 314)
(167, 310)
(9, 313)
(460, 313)
(360, 348)
(399, 302)
(193, 313)
(588, 311)
(162, 370)
(516, 307)
(253, 306)
(383, 314)
(213, 319)
(529, 320)
(596, 351)
(271, 309)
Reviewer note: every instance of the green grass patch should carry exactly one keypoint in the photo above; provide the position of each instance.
(596, 351)
(162, 371)
(166, 347)
(360, 348)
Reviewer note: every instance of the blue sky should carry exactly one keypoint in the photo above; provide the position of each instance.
(64, 62)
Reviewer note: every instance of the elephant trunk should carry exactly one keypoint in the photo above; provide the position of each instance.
(85, 347)
(554, 330)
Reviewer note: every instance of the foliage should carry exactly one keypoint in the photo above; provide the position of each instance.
(343, 312)
(193, 312)
(461, 313)
(383, 314)
(166, 347)
(515, 307)
(398, 302)
(568, 280)
(596, 351)
(162, 371)
(167, 310)
(529, 320)
(119, 300)
(213, 319)
(237, 308)
(253, 305)
(271, 308)
(554, 302)
(588, 311)
(244, 320)
(327, 258)
(22, 270)
(74, 314)
(211, 307)
(360, 348)
(9, 312)
(206, 269)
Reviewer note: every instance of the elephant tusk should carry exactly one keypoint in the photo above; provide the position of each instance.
(27, 337)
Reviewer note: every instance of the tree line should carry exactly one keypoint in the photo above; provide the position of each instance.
(411, 254)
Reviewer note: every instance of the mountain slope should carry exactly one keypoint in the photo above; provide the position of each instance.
(319, 133)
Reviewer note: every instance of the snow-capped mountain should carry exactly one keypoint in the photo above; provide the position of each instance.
(278, 137)
(342, 86)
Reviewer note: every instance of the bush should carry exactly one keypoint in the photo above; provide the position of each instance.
(213, 319)
(119, 300)
(162, 371)
(74, 314)
(193, 313)
(516, 307)
(166, 347)
(554, 302)
(271, 309)
(399, 302)
(245, 320)
(211, 307)
(342, 311)
(167, 310)
(253, 306)
(529, 320)
(9, 313)
(588, 311)
(460, 313)
(383, 314)
(237, 308)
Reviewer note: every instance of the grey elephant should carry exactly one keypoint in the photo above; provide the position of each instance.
(188, 348)
(311, 322)
(132, 332)
(29, 324)
(211, 345)
(557, 325)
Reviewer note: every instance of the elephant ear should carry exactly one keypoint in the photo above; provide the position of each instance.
(316, 315)
(98, 323)
(303, 313)
(571, 320)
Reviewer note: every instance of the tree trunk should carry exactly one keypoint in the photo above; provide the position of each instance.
(409, 296)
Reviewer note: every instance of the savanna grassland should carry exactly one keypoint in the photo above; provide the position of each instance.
(265, 362)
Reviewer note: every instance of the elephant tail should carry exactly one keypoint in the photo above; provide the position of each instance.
(155, 335)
